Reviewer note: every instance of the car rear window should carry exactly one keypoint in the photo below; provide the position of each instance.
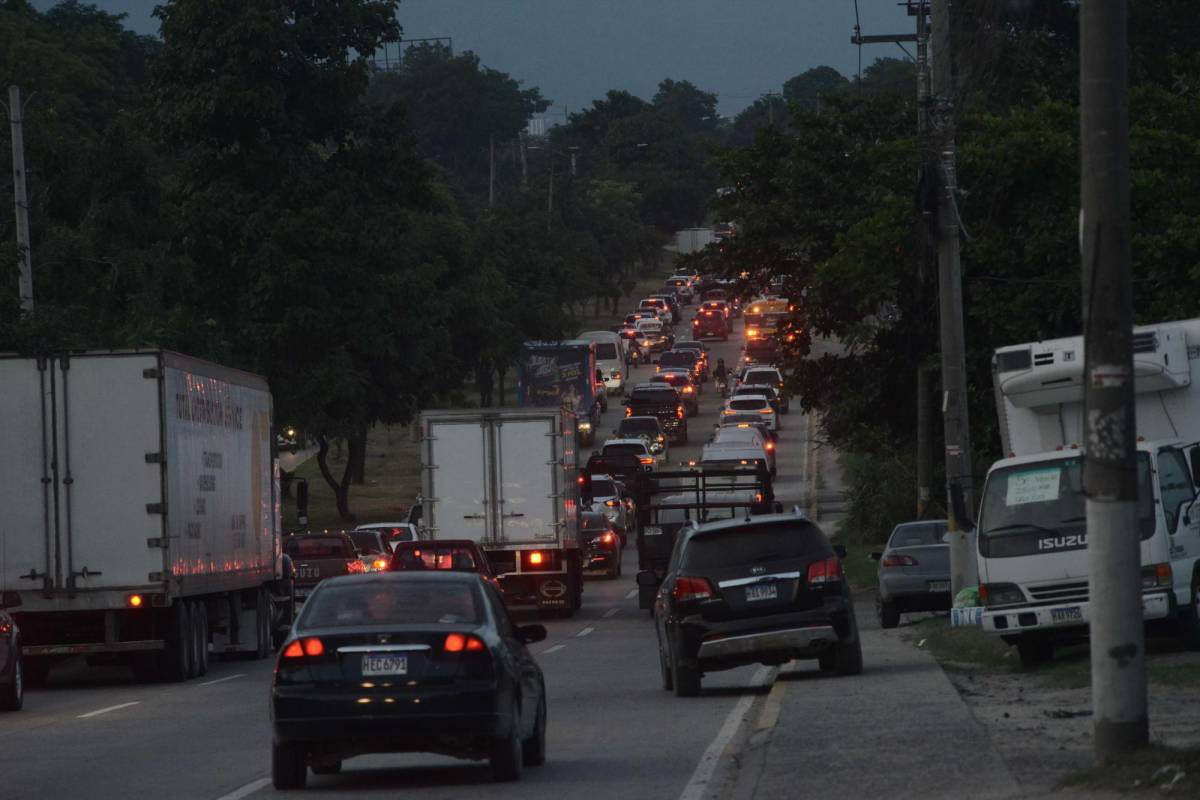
(391, 602)
(432, 556)
(638, 426)
(319, 547)
(921, 533)
(678, 359)
(744, 403)
(366, 542)
(603, 489)
(754, 544)
(765, 376)
(593, 522)
(654, 396)
(624, 449)
(606, 351)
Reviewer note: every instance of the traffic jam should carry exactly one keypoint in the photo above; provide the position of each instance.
(648, 475)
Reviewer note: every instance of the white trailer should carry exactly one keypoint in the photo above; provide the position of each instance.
(508, 479)
(141, 510)
(693, 240)
(1032, 537)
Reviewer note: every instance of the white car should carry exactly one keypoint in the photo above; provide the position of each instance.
(638, 447)
(755, 404)
(745, 436)
(609, 499)
(394, 532)
(768, 376)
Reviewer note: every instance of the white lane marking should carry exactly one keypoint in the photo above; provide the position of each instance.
(100, 711)
(698, 784)
(584, 632)
(612, 612)
(247, 790)
(554, 649)
(222, 680)
(632, 593)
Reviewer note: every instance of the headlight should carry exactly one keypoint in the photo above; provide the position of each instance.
(1000, 594)
(584, 427)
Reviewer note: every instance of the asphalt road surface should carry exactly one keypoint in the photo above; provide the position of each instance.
(613, 731)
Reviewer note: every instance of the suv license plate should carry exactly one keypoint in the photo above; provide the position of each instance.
(384, 665)
(766, 592)
(939, 586)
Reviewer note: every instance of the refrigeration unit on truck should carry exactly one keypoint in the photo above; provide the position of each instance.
(140, 511)
(563, 374)
(1032, 536)
(508, 479)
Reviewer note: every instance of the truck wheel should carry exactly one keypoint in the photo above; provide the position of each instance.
(180, 642)
(1189, 618)
(1034, 650)
(288, 767)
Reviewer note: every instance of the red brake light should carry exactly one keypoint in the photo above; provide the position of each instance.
(379, 564)
(628, 411)
(692, 589)
(607, 538)
(294, 650)
(313, 647)
(770, 446)
(899, 561)
(679, 412)
(458, 642)
(825, 572)
(644, 460)
(354, 566)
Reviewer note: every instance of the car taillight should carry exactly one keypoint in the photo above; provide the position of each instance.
(679, 412)
(770, 446)
(460, 642)
(692, 589)
(379, 564)
(608, 538)
(628, 411)
(644, 460)
(300, 648)
(688, 390)
(616, 374)
(355, 566)
(899, 561)
(825, 572)
(765, 411)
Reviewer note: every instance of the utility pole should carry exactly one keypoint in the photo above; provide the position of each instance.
(491, 169)
(16, 114)
(550, 197)
(1110, 457)
(963, 571)
(927, 171)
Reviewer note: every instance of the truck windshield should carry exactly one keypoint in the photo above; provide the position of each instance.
(1046, 498)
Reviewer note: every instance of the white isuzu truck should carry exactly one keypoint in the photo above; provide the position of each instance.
(508, 480)
(140, 514)
(1032, 537)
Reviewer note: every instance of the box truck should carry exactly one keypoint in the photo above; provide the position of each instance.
(508, 479)
(141, 511)
(1032, 536)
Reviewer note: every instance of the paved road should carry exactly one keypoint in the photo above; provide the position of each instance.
(613, 731)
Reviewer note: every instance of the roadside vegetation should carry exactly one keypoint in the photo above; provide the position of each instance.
(1157, 770)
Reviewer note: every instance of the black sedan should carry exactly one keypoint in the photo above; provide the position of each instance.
(12, 673)
(406, 662)
(601, 544)
(761, 590)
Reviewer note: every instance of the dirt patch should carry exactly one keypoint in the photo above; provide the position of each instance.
(1041, 720)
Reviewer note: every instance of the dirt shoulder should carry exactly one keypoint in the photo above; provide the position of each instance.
(1041, 720)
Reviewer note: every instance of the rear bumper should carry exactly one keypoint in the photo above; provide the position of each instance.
(791, 639)
(1061, 616)
(773, 638)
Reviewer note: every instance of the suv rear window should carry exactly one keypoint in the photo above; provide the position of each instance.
(649, 425)
(430, 555)
(603, 489)
(761, 376)
(745, 403)
(654, 396)
(367, 543)
(624, 449)
(754, 544)
(319, 547)
(683, 358)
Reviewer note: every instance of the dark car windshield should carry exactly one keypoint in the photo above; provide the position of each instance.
(428, 555)
(367, 542)
(390, 602)
(914, 534)
(318, 547)
(591, 521)
(754, 544)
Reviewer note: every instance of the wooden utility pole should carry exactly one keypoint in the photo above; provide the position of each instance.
(963, 571)
(16, 119)
(1110, 454)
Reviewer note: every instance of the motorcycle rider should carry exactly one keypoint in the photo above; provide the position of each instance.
(721, 376)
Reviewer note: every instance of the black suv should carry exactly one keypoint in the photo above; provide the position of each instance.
(759, 590)
(664, 402)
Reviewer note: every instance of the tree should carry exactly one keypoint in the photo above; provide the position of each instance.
(807, 88)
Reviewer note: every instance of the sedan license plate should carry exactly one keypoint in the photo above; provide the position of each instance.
(307, 572)
(939, 586)
(384, 665)
(765, 592)
(1068, 614)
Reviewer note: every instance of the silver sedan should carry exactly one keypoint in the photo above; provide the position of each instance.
(914, 571)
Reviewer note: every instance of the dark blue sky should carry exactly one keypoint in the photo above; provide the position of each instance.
(576, 50)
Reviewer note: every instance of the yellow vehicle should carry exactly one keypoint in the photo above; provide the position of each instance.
(772, 305)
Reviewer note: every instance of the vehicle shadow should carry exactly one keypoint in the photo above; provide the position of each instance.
(466, 773)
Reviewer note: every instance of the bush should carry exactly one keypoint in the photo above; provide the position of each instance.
(880, 493)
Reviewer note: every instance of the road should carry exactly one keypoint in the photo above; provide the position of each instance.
(613, 732)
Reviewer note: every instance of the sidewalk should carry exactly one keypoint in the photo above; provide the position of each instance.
(898, 730)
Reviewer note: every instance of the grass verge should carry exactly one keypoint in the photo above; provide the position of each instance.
(1156, 769)
(860, 570)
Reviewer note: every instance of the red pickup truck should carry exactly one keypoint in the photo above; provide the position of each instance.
(316, 556)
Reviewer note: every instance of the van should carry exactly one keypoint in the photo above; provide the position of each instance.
(611, 358)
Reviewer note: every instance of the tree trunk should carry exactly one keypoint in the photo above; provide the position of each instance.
(341, 489)
(356, 456)
(501, 369)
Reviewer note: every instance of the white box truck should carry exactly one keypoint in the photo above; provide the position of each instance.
(140, 510)
(508, 480)
(1032, 537)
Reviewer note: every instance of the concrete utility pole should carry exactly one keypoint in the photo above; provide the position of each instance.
(1110, 455)
(928, 169)
(963, 571)
(16, 115)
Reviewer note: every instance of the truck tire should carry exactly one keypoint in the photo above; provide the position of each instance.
(262, 623)
(176, 664)
(1189, 617)
(200, 625)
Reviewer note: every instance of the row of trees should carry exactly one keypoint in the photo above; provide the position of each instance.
(830, 203)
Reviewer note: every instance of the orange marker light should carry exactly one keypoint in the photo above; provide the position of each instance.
(135, 601)
(536, 558)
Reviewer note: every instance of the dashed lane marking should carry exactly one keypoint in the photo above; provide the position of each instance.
(632, 593)
(222, 680)
(612, 612)
(584, 632)
(100, 711)
(554, 649)
(247, 790)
